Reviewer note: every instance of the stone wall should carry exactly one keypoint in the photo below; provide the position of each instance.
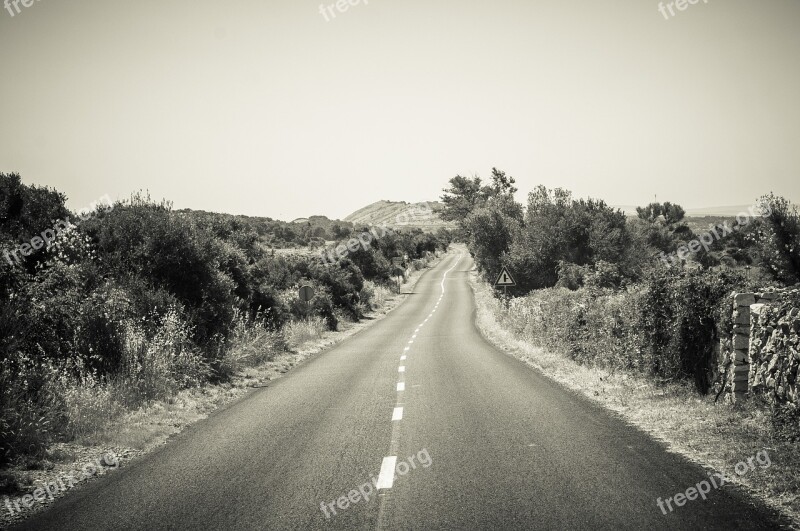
(764, 344)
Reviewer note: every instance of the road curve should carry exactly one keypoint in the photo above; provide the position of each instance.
(477, 440)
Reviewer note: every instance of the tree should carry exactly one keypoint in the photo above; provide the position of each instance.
(650, 212)
(673, 213)
(462, 198)
(559, 229)
(502, 184)
(778, 238)
(492, 230)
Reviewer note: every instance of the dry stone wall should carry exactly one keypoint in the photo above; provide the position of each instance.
(765, 344)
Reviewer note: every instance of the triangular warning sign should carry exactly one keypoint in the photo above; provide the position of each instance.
(505, 279)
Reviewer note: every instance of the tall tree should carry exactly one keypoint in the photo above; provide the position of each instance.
(462, 198)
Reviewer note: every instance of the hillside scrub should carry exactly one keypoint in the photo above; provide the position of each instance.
(140, 301)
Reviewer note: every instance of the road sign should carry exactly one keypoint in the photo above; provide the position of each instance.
(306, 293)
(505, 279)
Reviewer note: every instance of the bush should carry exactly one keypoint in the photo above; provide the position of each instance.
(25, 426)
(156, 367)
(571, 276)
(373, 295)
(173, 253)
(778, 239)
(665, 327)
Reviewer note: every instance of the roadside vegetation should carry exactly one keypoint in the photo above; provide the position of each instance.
(140, 302)
(597, 307)
(593, 283)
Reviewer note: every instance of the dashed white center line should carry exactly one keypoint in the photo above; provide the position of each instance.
(411, 341)
(407, 348)
(401, 386)
(386, 477)
(414, 336)
(402, 358)
(397, 414)
(401, 368)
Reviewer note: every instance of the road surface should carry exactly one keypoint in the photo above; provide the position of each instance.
(481, 442)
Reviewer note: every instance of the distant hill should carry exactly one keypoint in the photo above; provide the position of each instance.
(401, 214)
(728, 211)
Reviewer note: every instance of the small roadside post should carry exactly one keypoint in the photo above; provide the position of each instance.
(505, 279)
(397, 270)
(305, 294)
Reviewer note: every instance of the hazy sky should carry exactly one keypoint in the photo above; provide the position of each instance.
(264, 108)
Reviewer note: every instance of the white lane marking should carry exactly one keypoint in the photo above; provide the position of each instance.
(410, 341)
(407, 348)
(445, 273)
(401, 368)
(417, 330)
(401, 386)
(402, 358)
(386, 477)
(397, 414)
(414, 336)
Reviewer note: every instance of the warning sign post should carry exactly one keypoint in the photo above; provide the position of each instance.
(505, 279)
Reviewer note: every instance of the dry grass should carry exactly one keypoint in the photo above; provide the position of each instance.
(297, 333)
(374, 296)
(715, 435)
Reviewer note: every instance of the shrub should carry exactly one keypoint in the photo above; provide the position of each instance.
(680, 311)
(778, 238)
(373, 295)
(158, 366)
(26, 422)
(665, 327)
(173, 253)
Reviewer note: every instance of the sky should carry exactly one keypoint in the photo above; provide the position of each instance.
(272, 108)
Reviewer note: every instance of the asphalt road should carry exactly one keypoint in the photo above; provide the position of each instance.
(482, 442)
